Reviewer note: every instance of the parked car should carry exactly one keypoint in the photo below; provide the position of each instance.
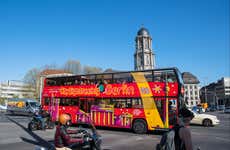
(207, 109)
(197, 109)
(3, 108)
(204, 119)
(212, 108)
(22, 106)
(221, 107)
(227, 110)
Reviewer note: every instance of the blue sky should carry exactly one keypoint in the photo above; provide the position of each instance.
(192, 35)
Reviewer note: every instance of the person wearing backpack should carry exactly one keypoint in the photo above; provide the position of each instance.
(179, 137)
(184, 133)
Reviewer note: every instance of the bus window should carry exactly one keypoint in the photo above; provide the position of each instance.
(157, 77)
(122, 103)
(68, 102)
(74, 102)
(172, 104)
(62, 102)
(149, 76)
(137, 103)
(46, 101)
(60, 81)
(102, 102)
(77, 82)
(165, 76)
(117, 103)
(50, 82)
(123, 78)
(128, 103)
(105, 79)
(91, 79)
(171, 76)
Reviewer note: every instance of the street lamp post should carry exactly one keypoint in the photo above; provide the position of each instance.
(41, 87)
(216, 101)
(205, 94)
(205, 89)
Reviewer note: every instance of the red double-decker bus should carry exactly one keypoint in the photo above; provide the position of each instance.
(139, 100)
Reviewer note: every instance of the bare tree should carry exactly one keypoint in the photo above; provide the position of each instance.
(73, 66)
(32, 76)
(51, 66)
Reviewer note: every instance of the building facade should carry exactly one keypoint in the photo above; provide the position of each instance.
(191, 89)
(16, 89)
(144, 58)
(217, 93)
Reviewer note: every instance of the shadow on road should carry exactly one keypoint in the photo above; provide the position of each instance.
(155, 132)
(10, 114)
(39, 141)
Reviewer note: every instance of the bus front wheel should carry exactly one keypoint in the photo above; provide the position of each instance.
(139, 126)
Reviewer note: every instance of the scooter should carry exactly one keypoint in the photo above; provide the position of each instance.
(86, 131)
(92, 140)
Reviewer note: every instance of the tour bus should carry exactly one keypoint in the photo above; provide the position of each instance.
(138, 100)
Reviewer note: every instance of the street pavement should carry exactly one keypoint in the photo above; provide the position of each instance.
(213, 138)
(15, 136)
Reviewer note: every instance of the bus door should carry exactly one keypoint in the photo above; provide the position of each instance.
(172, 111)
(85, 104)
(167, 108)
(54, 108)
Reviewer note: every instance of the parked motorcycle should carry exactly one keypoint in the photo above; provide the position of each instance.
(36, 124)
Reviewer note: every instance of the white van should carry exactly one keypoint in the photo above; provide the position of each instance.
(22, 106)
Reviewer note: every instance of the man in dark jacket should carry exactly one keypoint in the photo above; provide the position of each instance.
(184, 132)
(62, 138)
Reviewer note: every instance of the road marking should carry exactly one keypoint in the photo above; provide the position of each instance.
(195, 133)
(139, 138)
(223, 139)
(106, 147)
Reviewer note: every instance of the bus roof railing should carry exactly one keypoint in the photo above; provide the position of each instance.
(113, 72)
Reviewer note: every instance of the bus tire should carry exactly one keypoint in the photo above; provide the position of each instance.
(139, 126)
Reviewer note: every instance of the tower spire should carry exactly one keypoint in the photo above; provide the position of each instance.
(144, 57)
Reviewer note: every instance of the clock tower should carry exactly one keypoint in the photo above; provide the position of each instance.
(144, 58)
